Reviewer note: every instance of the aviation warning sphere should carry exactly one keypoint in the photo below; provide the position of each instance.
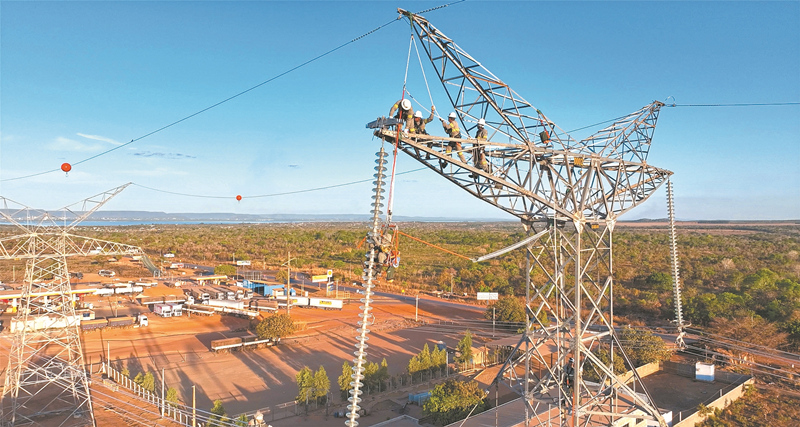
(66, 167)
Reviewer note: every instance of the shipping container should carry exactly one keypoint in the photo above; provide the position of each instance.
(91, 325)
(326, 303)
(226, 303)
(226, 344)
(121, 322)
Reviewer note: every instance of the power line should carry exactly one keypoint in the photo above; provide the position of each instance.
(763, 104)
(211, 106)
(287, 193)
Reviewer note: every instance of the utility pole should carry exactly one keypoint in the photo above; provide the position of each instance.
(288, 282)
(194, 407)
(163, 399)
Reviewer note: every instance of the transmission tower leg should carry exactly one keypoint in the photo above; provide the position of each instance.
(46, 377)
(570, 342)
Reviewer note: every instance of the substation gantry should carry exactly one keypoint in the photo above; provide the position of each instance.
(46, 377)
(569, 195)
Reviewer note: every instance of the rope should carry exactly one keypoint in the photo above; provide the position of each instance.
(424, 77)
(434, 246)
(390, 202)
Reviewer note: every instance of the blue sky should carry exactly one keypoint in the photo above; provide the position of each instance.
(78, 78)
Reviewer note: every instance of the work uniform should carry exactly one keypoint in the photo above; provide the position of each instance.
(453, 131)
(418, 125)
(407, 116)
(479, 156)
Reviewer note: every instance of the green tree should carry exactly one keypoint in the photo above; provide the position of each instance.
(453, 400)
(172, 396)
(149, 382)
(138, 378)
(661, 282)
(218, 415)
(506, 309)
(281, 276)
(275, 327)
(241, 421)
(321, 384)
(305, 382)
(345, 379)
(464, 349)
(642, 347)
(125, 372)
(425, 358)
(225, 269)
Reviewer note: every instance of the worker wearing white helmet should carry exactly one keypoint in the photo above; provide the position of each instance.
(418, 124)
(404, 112)
(478, 155)
(453, 131)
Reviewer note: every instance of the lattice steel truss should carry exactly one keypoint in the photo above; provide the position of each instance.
(46, 377)
(571, 194)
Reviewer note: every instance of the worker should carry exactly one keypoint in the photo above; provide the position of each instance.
(418, 124)
(479, 155)
(404, 113)
(452, 130)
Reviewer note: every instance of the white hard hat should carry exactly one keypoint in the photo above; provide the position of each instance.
(406, 104)
(482, 122)
(418, 114)
(452, 115)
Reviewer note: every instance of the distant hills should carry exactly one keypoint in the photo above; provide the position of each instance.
(168, 217)
(216, 217)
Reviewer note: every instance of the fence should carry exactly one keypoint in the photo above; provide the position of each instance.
(186, 415)
(170, 410)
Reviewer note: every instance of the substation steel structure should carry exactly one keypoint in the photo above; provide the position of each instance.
(569, 195)
(46, 377)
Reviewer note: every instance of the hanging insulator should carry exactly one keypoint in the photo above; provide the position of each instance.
(370, 268)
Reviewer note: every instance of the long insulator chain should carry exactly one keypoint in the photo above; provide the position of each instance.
(373, 240)
(676, 278)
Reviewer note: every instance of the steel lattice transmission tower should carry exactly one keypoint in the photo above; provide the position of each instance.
(569, 195)
(46, 377)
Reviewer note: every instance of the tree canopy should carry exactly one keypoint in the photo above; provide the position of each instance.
(506, 309)
(453, 400)
(225, 269)
(275, 327)
(465, 348)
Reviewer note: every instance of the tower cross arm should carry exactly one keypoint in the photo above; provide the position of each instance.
(87, 246)
(91, 204)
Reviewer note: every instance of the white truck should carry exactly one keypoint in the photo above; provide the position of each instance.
(104, 292)
(226, 303)
(163, 310)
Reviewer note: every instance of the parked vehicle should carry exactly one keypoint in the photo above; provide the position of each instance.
(226, 303)
(104, 292)
(107, 273)
(163, 310)
(121, 322)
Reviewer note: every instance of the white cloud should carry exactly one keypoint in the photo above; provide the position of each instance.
(65, 144)
(99, 138)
